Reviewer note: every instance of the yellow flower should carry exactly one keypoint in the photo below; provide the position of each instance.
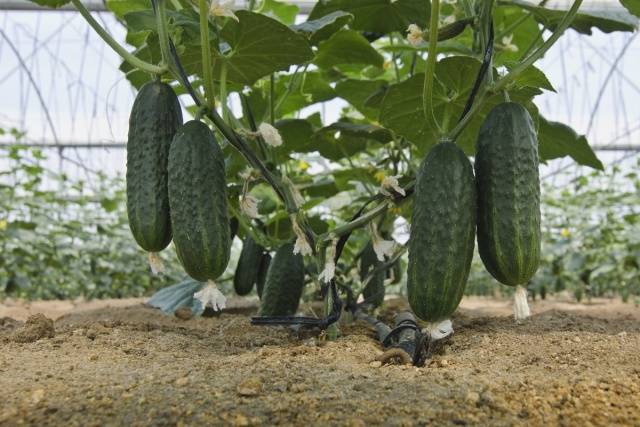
(3, 224)
(565, 232)
(379, 176)
(303, 165)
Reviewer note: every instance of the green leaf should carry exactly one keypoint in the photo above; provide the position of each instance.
(526, 34)
(285, 13)
(50, 3)
(558, 140)
(377, 16)
(308, 88)
(358, 92)
(322, 28)
(347, 47)
(121, 7)
(532, 77)
(605, 19)
(296, 135)
(365, 131)
(259, 46)
(402, 107)
(109, 204)
(633, 6)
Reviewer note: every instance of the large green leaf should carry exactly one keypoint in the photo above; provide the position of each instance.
(121, 7)
(604, 19)
(296, 135)
(364, 131)
(50, 3)
(347, 47)
(322, 28)
(532, 77)
(558, 140)
(358, 92)
(259, 46)
(402, 107)
(518, 38)
(632, 6)
(305, 90)
(378, 16)
(285, 13)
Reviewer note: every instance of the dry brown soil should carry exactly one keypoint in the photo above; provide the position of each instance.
(115, 363)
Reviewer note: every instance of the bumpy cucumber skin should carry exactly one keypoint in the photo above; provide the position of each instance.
(155, 117)
(442, 234)
(248, 266)
(285, 280)
(262, 273)
(508, 194)
(198, 202)
(373, 293)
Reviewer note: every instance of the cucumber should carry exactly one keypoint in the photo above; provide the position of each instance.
(248, 266)
(508, 195)
(442, 236)
(262, 273)
(373, 292)
(198, 202)
(284, 284)
(153, 122)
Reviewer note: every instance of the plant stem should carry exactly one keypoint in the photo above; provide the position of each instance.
(207, 72)
(427, 93)
(163, 34)
(117, 47)
(564, 24)
(223, 91)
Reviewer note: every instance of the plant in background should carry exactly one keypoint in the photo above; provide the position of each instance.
(404, 97)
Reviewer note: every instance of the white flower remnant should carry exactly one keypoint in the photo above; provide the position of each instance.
(223, 8)
(440, 330)
(270, 134)
(155, 263)
(508, 45)
(249, 205)
(381, 246)
(391, 183)
(329, 264)
(520, 305)
(302, 244)
(415, 35)
(211, 296)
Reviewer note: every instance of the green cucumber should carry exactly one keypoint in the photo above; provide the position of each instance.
(154, 119)
(246, 274)
(284, 284)
(198, 202)
(508, 195)
(262, 273)
(442, 235)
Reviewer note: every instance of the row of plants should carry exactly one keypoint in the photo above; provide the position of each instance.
(590, 240)
(428, 85)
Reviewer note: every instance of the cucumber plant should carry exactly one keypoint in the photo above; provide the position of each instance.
(417, 79)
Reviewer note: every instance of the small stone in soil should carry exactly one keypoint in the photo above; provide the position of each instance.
(250, 387)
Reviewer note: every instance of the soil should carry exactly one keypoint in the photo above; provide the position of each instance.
(115, 363)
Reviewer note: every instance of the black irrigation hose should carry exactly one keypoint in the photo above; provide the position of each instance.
(482, 72)
(303, 321)
(405, 336)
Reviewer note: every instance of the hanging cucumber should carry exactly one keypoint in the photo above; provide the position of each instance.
(262, 273)
(248, 268)
(284, 283)
(442, 236)
(509, 199)
(155, 117)
(198, 202)
(373, 292)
